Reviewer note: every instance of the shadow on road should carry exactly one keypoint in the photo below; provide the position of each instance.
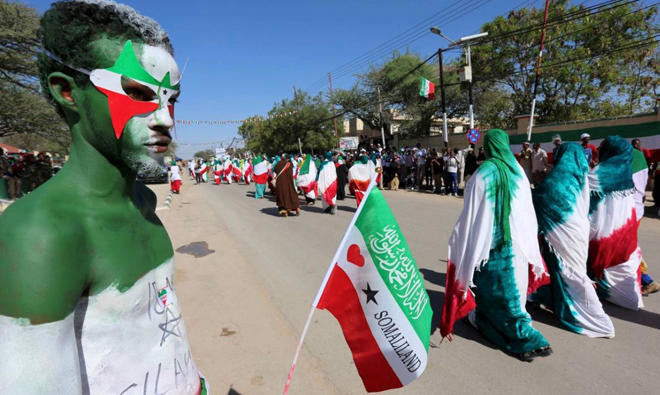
(544, 316)
(461, 328)
(641, 317)
(270, 211)
(434, 277)
(311, 209)
(251, 194)
(346, 208)
(233, 392)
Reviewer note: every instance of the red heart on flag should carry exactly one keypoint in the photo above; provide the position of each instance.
(354, 256)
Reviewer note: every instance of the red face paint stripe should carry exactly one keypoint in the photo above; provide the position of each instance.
(341, 299)
(123, 108)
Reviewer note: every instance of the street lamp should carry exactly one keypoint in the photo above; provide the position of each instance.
(445, 137)
(468, 72)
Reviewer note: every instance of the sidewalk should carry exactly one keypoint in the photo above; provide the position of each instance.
(240, 341)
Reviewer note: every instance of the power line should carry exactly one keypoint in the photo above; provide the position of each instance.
(411, 34)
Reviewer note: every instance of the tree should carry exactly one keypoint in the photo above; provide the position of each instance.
(398, 81)
(24, 111)
(596, 65)
(204, 154)
(305, 117)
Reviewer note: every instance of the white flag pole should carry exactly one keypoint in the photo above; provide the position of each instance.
(372, 182)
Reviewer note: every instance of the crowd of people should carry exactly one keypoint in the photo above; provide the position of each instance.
(558, 229)
(21, 173)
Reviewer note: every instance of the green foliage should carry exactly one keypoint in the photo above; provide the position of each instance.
(24, 113)
(18, 29)
(399, 90)
(205, 154)
(574, 83)
(305, 117)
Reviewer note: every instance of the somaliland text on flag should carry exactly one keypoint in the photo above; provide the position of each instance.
(375, 291)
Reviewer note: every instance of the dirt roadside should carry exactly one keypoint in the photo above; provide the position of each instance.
(239, 339)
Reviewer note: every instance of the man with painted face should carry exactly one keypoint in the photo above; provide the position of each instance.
(87, 298)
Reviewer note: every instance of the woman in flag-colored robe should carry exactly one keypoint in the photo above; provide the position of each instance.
(204, 171)
(307, 179)
(494, 249)
(561, 202)
(247, 171)
(260, 176)
(237, 172)
(287, 198)
(271, 174)
(614, 256)
(227, 170)
(327, 184)
(359, 176)
(217, 171)
(640, 175)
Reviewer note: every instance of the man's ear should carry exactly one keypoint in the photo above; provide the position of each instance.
(61, 87)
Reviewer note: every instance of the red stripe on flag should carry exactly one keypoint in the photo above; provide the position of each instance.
(330, 193)
(308, 188)
(456, 306)
(340, 298)
(260, 178)
(615, 248)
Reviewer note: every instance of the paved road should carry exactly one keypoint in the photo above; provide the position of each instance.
(265, 271)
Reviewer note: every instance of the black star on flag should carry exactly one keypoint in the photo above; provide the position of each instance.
(371, 294)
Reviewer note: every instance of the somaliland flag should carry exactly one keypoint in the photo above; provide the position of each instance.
(426, 88)
(377, 294)
(260, 170)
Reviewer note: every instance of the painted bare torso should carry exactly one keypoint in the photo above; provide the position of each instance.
(99, 315)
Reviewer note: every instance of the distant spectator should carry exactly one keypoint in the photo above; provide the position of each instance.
(470, 163)
(590, 150)
(481, 157)
(437, 168)
(526, 160)
(539, 164)
(452, 172)
(556, 141)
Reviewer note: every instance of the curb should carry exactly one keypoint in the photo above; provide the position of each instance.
(168, 201)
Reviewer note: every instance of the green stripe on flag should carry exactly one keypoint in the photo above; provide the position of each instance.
(395, 263)
(304, 166)
(638, 161)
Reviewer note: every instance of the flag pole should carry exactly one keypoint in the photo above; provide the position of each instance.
(325, 281)
(538, 72)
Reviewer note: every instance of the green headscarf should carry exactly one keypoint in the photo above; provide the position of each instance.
(501, 173)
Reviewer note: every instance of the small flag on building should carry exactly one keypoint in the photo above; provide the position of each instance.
(426, 88)
(375, 291)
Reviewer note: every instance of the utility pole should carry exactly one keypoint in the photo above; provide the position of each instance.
(469, 67)
(333, 105)
(445, 137)
(380, 110)
(467, 76)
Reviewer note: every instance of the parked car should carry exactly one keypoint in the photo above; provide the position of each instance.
(162, 178)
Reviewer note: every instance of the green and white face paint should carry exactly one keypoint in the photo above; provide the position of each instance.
(141, 91)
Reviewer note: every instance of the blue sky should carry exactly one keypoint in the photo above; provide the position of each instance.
(244, 56)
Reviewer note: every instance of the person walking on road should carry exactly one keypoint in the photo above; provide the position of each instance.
(494, 249)
(561, 202)
(287, 198)
(175, 177)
